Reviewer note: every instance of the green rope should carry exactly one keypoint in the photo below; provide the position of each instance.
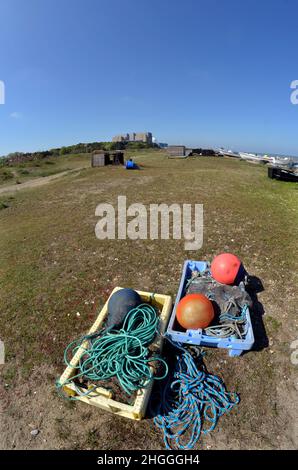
(123, 353)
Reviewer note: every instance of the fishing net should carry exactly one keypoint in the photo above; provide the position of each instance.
(230, 303)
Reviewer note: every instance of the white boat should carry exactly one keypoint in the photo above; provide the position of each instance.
(252, 157)
(227, 153)
(255, 158)
(267, 159)
(280, 161)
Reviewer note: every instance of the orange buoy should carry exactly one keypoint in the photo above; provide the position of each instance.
(225, 267)
(194, 311)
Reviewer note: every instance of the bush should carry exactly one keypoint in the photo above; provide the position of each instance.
(5, 174)
(20, 158)
(55, 152)
(3, 205)
(64, 151)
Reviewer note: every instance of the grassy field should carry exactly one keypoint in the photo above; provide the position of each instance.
(22, 172)
(52, 266)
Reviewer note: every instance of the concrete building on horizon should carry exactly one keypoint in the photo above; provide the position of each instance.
(145, 137)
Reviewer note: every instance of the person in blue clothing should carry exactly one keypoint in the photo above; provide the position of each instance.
(131, 165)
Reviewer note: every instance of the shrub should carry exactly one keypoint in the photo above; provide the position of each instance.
(5, 174)
(63, 151)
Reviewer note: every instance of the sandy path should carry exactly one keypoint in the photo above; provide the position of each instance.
(38, 181)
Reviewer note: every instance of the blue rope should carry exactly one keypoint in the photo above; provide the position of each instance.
(190, 399)
(229, 317)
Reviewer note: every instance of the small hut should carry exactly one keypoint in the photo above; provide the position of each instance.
(100, 158)
(117, 158)
(176, 150)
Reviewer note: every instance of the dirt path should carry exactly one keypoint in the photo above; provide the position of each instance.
(38, 181)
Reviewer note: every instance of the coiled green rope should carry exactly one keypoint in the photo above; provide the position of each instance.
(122, 353)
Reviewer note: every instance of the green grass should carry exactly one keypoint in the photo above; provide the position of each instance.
(6, 202)
(51, 231)
(52, 266)
(273, 323)
(26, 171)
(6, 175)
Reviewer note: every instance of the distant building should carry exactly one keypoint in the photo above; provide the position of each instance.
(121, 138)
(145, 137)
(176, 150)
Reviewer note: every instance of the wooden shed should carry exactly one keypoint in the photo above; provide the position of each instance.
(100, 158)
(176, 150)
(117, 158)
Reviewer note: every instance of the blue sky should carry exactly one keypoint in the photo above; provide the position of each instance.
(202, 73)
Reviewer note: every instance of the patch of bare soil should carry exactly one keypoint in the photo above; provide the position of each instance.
(35, 405)
(37, 181)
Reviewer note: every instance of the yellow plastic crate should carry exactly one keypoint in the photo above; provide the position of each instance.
(101, 397)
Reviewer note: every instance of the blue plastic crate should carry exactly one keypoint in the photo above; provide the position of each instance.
(235, 345)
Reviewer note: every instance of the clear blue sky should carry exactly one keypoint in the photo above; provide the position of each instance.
(204, 73)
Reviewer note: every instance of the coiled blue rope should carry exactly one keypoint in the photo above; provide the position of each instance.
(123, 353)
(229, 317)
(190, 399)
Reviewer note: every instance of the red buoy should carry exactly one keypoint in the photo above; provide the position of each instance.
(225, 267)
(194, 311)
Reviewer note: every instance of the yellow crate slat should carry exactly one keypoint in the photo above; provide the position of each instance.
(102, 397)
